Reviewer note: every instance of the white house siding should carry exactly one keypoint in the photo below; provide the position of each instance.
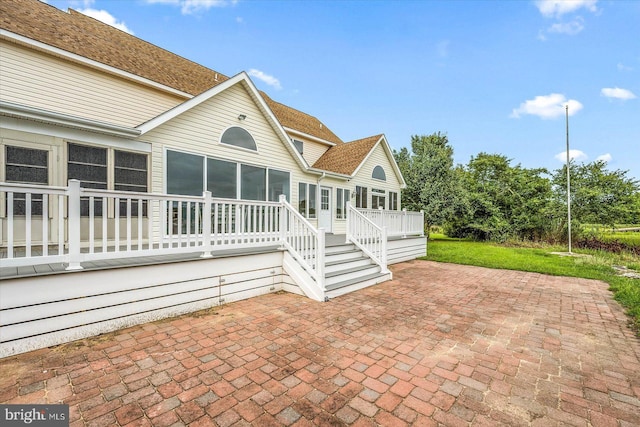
(40, 80)
(377, 158)
(312, 150)
(198, 131)
(122, 297)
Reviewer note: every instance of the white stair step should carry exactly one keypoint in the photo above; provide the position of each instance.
(353, 273)
(343, 265)
(352, 285)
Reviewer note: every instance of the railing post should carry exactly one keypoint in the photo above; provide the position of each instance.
(73, 224)
(283, 220)
(404, 223)
(348, 222)
(206, 226)
(421, 223)
(383, 255)
(320, 258)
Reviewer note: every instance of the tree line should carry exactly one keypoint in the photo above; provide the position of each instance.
(489, 198)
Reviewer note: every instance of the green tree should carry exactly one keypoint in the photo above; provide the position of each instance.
(598, 195)
(432, 184)
(504, 201)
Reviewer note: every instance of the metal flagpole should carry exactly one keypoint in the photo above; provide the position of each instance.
(568, 179)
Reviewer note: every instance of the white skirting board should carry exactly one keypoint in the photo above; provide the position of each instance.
(41, 311)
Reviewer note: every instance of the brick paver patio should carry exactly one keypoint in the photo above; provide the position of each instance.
(440, 345)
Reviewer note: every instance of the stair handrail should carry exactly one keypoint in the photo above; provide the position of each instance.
(303, 241)
(367, 236)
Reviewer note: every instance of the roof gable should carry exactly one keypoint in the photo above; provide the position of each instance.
(348, 158)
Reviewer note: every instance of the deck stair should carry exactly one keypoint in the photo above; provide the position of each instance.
(348, 269)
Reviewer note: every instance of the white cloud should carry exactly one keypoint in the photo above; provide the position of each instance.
(188, 7)
(266, 78)
(557, 8)
(617, 93)
(622, 67)
(106, 17)
(547, 107)
(573, 155)
(604, 157)
(571, 28)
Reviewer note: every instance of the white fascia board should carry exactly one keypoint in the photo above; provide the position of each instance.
(72, 134)
(311, 137)
(188, 104)
(25, 112)
(280, 130)
(331, 174)
(394, 165)
(8, 35)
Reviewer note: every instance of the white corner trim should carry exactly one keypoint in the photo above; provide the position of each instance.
(8, 35)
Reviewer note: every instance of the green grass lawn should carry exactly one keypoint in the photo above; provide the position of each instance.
(540, 260)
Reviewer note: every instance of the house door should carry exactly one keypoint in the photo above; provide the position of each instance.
(324, 217)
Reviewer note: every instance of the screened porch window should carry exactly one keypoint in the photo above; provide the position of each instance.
(26, 166)
(89, 166)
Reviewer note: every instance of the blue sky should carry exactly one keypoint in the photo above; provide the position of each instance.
(493, 75)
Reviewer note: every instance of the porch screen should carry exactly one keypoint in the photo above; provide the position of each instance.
(89, 166)
(27, 166)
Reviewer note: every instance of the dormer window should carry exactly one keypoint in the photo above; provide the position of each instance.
(378, 173)
(238, 137)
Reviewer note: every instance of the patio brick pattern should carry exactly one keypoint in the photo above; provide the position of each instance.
(441, 344)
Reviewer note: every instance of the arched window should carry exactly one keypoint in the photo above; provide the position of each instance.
(238, 137)
(378, 173)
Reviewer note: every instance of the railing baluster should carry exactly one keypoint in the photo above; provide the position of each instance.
(91, 224)
(28, 225)
(116, 222)
(10, 224)
(45, 224)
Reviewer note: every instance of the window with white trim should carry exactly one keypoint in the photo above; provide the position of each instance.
(307, 199)
(361, 197)
(238, 137)
(393, 201)
(299, 146)
(378, 173)
(190, 174)
(377, 198)
(91, 165)
(26, 166)
(342, 197)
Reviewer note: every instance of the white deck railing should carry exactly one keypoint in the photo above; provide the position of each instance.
(398, 223)
(304, 241)
(42, 225)
(366, 235)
